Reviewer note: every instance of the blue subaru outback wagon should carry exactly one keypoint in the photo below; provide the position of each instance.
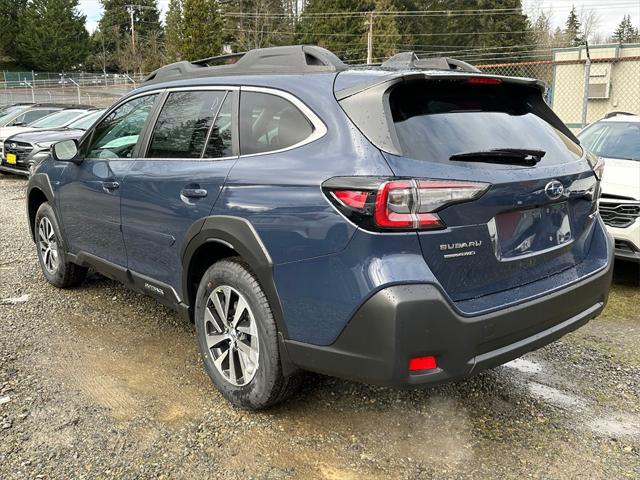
(406, 224)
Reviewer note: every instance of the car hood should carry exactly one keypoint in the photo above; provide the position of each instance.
(41, 136)
(621, 177)
(6, 132)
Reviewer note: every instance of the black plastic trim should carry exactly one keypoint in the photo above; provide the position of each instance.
(238, 234)
(404, 321)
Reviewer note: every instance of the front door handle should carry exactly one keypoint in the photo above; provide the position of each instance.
(194, 192)
(110, 185)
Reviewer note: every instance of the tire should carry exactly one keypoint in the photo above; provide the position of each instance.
(51, 253)
(254, 336)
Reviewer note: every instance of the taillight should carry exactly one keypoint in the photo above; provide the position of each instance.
(596, 163)
(484, 81)
(398, 205)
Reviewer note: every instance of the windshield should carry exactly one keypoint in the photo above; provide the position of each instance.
(613, 139)
(436, 121)
(85, 122)
(6, 113)
(58, 119)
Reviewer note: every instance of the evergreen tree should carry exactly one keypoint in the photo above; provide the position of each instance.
(573, 29)
(263, 23)
(626, 32)
(344, 35)
(201, 29)
(115, 25)
(10, 14)
(173, 31)
(53, 36)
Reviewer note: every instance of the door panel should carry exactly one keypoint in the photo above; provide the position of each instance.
(163, 197)
(89, 196)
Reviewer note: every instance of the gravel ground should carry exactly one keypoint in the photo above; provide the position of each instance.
(100, 382)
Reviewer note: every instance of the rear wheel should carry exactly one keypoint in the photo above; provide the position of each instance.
(53, 260)
(238, 338)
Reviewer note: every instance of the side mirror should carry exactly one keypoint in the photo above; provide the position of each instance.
(65, 151)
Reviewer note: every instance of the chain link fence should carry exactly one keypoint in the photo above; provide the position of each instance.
(100, 90)
(581, 87)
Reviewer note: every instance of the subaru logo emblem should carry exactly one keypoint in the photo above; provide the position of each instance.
(554, 189)
(12, 145)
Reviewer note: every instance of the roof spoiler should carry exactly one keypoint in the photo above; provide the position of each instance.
(409, 60)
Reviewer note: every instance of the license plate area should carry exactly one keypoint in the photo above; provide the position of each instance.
(533, 231)
(11, 158)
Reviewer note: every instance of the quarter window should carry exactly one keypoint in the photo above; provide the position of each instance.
(184, 124)
(269, 122)
(117, 135)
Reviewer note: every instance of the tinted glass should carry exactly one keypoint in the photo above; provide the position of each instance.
(434, 122)
(32, 115)
(117, 134)
(220, 140)
(613, 139)
(10, 111)
(86, 121)
(58, 119)
(269, 122)
(183, 124)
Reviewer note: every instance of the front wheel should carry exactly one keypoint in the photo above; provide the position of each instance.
(238, 338)
(53, 260)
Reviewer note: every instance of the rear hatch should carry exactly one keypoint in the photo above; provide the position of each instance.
(535, 217)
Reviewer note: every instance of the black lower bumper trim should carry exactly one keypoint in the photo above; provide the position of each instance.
(406, 321)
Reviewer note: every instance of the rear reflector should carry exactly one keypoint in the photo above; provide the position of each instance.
(352, 198)
(422, 363)
(484, 81)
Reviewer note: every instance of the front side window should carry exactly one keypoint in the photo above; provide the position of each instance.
(184, 124)
(269, 122)
(613, 139)
(117, 135)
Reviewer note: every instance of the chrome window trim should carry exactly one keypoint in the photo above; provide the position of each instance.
(319, 128)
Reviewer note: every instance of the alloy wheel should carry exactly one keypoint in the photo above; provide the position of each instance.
(231, 335)
(48, 245)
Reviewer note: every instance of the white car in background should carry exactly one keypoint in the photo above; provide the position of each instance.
(616, 139)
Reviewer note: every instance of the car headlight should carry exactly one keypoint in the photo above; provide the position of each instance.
(44, 145)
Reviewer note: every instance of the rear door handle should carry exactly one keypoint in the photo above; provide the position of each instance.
(110, 185)
(194, 192)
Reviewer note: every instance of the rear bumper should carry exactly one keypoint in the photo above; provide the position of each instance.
(405, 321)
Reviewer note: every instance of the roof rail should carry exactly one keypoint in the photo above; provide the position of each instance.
(406, 60)
(275, 60)
(613, 114)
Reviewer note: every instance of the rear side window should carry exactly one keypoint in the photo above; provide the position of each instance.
(269, 122)
(220, 139)
(184, 123)
(434, 121)
(32, 115)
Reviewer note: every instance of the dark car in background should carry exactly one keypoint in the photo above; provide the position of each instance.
(59, 119)
(31, 148)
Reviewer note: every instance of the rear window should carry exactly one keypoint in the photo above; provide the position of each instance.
(434, 121)
(613, 139)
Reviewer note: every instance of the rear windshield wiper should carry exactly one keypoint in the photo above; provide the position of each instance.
(510, 156)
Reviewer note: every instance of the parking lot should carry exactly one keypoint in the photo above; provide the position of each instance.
(101, 382)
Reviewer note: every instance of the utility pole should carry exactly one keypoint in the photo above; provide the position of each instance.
(133, 33)
(370, 40)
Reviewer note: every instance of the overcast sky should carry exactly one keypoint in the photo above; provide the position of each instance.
(609, 12)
